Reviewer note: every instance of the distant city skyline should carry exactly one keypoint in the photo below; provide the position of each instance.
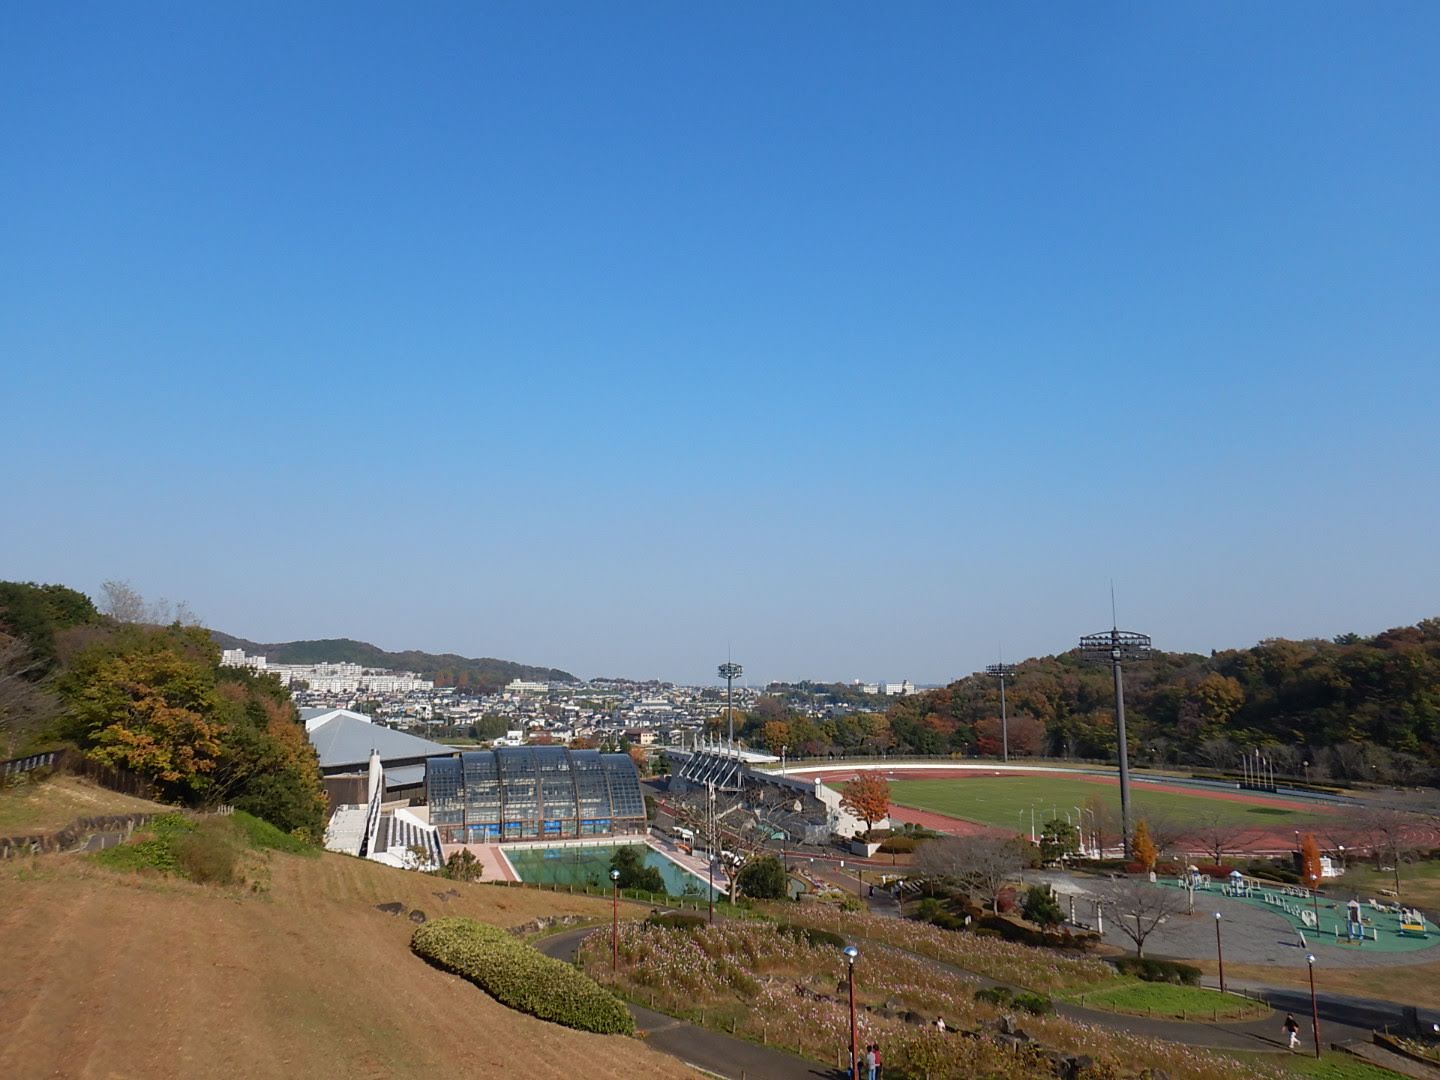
(863, 345)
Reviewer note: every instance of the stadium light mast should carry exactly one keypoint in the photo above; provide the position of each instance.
(730, 671)
(1002, 671)
(1115, 647)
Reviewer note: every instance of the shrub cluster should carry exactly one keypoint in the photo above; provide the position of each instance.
(518, 976)
(900, 845)
(812, 935)
(1150, 970)
(1001, 996)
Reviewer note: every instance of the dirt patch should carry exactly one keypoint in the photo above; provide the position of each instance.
(118, 976)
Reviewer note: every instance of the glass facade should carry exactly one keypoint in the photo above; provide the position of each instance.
(533, 793)
(445, 793)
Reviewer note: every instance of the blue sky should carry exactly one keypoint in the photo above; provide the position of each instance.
(862, 342)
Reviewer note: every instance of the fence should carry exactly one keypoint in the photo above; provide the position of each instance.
(68, 760)
(71, 835)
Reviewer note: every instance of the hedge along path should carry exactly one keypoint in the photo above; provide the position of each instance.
(519, 976)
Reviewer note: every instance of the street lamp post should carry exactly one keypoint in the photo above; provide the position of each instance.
(851, 954)
(615, 923)
(710, 843)
(1314, 1008)
(1116, 646)
(1219, 952)
(1002, 671)
(730, 671)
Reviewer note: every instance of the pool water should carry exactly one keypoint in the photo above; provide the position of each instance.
(591, 866)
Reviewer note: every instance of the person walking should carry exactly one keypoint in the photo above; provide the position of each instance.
(1292, 1029)
(870, 1062)
(879, 1064)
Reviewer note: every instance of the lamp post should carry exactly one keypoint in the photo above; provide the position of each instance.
(615, 923)
(1219, 952)
(710, 843)
(1115, 647)
(1314, 1008)
(851, 955)
(730, 671)
(1002, 671)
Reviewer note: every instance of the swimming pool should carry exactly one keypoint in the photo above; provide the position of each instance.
(591, 866)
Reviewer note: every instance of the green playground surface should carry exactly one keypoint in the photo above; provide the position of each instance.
(1006, 801)
(1291, 904)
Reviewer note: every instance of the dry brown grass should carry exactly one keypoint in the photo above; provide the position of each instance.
(119, 976)
(54, 803)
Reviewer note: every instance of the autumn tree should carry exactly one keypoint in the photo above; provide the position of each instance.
(868, 798)
(1142, 848)
(153, 713)
(776, 735)
(1310, 861)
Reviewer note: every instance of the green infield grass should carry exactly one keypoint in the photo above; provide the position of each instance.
(1006, 801)
(1166, 999)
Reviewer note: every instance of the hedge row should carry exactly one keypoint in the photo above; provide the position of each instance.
(1150, 970)
(517, 975)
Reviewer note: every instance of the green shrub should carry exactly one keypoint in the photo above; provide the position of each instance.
(821, 939)
(900, 845)
(763, 878)
(1038, 1004)
(259, 833)
(1152, 970)
(206, 855)
(995, 995)
(518, 976)
(155, 852)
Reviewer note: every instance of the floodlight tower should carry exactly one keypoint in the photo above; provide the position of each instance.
(1116, 647)
(730, 671)
(1002, 671)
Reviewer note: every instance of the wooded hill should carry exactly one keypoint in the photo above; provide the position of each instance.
(1353, 707)
(483, 674)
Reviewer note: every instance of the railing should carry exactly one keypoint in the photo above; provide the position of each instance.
(69, 760)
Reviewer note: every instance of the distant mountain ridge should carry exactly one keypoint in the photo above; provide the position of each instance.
(447, 669)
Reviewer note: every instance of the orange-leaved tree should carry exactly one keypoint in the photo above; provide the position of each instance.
(1310, 861)
(868, 798)
(1142, 848)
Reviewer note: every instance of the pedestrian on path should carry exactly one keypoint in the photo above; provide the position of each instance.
(1293, 1030)
(870, 1062)
(879, 1064)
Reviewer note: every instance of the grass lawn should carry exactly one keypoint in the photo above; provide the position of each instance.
(1166, 999)
(1335, 1066)
(1006, 801)
(1419, 882)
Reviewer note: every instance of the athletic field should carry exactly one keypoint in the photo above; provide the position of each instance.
(1006, 801)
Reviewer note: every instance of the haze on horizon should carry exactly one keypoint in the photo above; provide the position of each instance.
(859, 345)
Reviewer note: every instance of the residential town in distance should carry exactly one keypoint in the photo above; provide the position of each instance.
(606, 711)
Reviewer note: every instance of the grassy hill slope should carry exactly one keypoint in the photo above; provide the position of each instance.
(449, 669)
(29, 808)
(119, 975)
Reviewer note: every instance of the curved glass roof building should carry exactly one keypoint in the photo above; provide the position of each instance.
(533, 793)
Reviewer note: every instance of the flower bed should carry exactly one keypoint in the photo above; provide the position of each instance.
(515, 974)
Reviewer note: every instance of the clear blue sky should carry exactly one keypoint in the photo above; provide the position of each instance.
(860, 340)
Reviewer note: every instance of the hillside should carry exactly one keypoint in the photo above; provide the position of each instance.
(448, 669)
(113, 975)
